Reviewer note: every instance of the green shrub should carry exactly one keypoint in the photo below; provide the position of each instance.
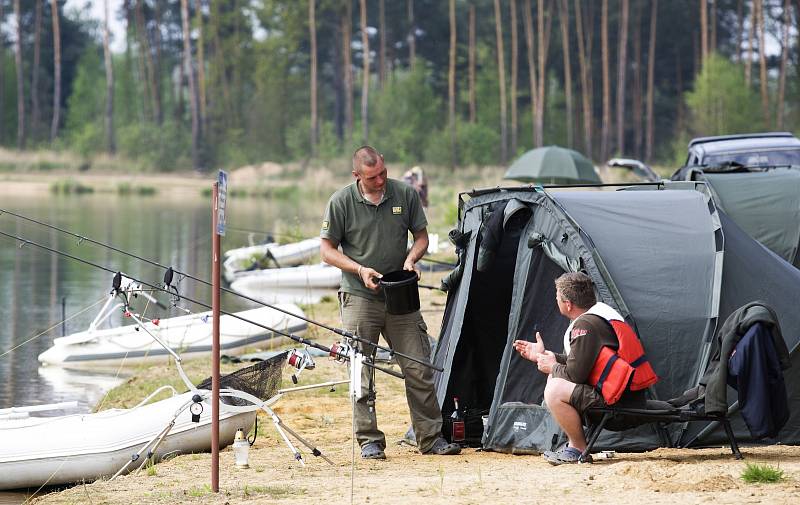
(126, 189)
(70, 186)
(763, 473)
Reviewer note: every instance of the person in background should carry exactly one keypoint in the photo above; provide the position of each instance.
(415, 178)
(370, 219)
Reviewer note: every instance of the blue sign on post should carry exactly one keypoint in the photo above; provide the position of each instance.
(222, 192)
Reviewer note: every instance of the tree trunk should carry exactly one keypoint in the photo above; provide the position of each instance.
(338, 83)
(143, 77)
(712, 43)
(501, 80)
(651, 67)
(412, 35)
(150, 70)
(220, 59)
(37, 38)
(312, 33)
(680, 109)
(586, 89)
(638, 112)
(193, 105)
(622, 65)
(528, 12)
(56, 71)
(157, 61)
(201, 66)
(382, 42)
(543, 20)
(563, 16)
(472, 103)
(703, 32)
(748, 60)
(737, 56)
(109, 117)
(180, 109)
(365, 73)
(762, 60)
(606, 129)
(20, 84)
(451, 87)
(780, 106)
(347, 67)
(514, 75)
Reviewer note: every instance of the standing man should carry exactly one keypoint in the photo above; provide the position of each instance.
(597, 342)
(370, 220)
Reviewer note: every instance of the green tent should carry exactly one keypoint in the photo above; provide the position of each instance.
(553, 165)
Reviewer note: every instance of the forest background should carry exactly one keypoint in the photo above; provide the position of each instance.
(222, 83)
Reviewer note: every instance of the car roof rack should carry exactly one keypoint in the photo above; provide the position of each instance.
(703, 140)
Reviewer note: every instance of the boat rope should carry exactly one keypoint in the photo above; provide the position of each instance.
(339, 331)
(336, 351)
(51, 328)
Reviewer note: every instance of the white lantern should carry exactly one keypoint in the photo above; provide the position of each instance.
(241, 449)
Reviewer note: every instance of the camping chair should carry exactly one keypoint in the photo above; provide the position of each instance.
(751, 329)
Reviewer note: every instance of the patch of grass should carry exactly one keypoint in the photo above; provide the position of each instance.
(762, 473)
(44, 165)
(146, 379)
(274, 491)
(70, 186)
(151, 467)
(126, 189)
(197, 492)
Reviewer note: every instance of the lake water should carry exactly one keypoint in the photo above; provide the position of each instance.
(33, 282)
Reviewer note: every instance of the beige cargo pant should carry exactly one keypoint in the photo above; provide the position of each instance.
(405, 334)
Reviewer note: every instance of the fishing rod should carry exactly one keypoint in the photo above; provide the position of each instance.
(268, 234)
(428, 286)
(168, 284)
(438, 262)
(340, 352)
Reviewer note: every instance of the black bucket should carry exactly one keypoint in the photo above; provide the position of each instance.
(401, 291)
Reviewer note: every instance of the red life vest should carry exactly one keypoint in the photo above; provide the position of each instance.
(625, 368)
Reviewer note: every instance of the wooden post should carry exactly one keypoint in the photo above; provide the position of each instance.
(215, 284)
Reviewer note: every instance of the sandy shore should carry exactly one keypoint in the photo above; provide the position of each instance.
(664, 476)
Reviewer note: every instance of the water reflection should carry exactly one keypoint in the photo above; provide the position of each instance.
(33, 282)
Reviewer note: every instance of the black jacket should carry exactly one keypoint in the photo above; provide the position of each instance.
(754, 371)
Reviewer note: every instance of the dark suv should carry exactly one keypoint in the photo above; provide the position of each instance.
(749, 150)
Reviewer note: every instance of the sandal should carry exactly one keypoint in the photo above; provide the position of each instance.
(565, 455)
(372, 450)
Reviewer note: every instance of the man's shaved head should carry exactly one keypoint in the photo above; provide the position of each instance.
(365, 156)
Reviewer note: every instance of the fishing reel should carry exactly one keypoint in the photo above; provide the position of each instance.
(301, 360)
(340, 352)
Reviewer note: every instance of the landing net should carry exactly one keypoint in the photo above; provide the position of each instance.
(262, 380)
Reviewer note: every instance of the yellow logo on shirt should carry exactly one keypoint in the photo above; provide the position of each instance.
(397, 210)
(326, 225)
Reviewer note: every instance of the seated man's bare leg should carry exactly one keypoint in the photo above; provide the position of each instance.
(557, 393)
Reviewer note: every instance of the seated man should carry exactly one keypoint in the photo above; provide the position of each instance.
(595, 369)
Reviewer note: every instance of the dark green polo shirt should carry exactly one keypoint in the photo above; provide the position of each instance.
(375, 236)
